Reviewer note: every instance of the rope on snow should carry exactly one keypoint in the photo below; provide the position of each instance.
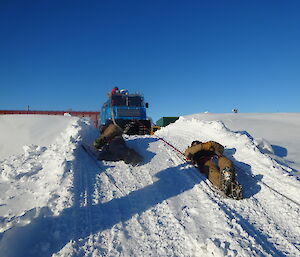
(260, 182)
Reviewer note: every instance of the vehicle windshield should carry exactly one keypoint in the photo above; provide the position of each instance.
(134, 101)
(118, 100)
(124, 100)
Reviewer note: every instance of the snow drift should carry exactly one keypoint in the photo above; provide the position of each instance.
(57, 201)
(39, 181)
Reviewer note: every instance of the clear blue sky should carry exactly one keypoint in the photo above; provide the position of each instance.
(185, 56)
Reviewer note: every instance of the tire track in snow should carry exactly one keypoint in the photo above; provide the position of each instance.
(104, 240)
(83, 200)
(89, 185)
(167, 214)
(152, 226)
(156, 217)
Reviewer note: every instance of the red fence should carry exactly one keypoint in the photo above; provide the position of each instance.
(94, 116)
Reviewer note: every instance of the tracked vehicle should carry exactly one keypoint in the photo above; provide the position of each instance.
(128, 111)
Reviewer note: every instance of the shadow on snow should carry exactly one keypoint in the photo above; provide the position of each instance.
(280, 151)
(45, 236)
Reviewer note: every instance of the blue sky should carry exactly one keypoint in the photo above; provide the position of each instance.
(185, 56)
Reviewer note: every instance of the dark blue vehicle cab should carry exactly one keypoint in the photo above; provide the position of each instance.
(128, 111)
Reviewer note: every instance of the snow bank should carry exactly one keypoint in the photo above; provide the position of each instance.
(249, 155)
(19, 130)
(280, 129)
(38, 181)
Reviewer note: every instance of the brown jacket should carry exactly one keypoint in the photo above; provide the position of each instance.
(223, 163)
(213, 146)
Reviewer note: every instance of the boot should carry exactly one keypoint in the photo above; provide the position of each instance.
(226, 177)
(235, 191)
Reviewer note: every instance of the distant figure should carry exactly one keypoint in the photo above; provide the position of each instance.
(115, 90)
(222, 174)
(235, 110)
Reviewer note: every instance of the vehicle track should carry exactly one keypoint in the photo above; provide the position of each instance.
(150, 223)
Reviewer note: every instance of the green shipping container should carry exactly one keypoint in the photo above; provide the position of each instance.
(165, 121)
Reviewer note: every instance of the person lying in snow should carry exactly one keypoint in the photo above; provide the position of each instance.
(113, 146)
(222, 175)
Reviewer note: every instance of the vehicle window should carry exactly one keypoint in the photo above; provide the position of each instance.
(123, 100)
(118, 100)
(134, 101)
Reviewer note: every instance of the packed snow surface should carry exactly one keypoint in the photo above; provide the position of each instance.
(56, 200)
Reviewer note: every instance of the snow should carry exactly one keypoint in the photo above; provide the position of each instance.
(19, 130)
(281, 129)
(57, 201)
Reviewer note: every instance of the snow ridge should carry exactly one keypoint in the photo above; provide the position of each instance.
(39, 182)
